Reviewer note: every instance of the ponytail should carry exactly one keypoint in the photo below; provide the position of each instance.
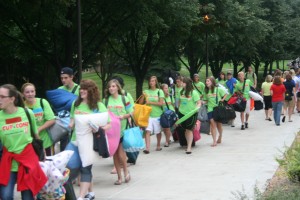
(13, 92)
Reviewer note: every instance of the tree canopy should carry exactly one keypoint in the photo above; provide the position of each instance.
(38, 38)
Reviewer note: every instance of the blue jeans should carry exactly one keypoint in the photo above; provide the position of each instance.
(7, 192)
(277, 108)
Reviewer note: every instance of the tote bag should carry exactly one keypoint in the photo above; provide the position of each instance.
(133, 138)
(196, 131)
(57, 131)
(141, 114)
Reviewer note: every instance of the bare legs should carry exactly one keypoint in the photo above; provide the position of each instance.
(189, 138)
(213, 129)
(147, 140)
(167, 132)
(120, 160)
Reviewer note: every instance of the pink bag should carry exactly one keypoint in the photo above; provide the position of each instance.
(196, 131)
(113, 134)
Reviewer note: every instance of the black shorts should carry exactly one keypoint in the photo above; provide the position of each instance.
(188, 124)
(268, 102)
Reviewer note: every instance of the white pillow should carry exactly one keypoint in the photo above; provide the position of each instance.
(82, 122)
(256, 96)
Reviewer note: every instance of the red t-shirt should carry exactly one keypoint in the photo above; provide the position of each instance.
(278, 92)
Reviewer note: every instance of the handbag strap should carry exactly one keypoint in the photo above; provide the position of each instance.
(139, 98)
(30, 123)
(217, 95)
(133, 124)
(166, 103)
(197, 88)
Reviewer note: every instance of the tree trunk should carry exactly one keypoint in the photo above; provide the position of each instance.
(271, 67)
(266, 68)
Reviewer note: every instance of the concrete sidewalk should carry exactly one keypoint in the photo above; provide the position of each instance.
(244, 159)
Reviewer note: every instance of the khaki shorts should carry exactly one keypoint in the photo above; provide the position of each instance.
(289, 104)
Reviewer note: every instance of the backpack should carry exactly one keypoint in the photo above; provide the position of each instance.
(168, 118)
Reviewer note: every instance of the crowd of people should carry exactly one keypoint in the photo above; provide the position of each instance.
(280, 93)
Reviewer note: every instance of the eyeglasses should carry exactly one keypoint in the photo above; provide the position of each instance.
(2, 96)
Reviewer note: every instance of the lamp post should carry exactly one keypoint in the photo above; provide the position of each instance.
(79, 41)
(206, 19)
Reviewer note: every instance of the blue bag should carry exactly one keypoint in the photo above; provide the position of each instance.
(168, 118)
(133, 138)
(75, 161)
(60, 99)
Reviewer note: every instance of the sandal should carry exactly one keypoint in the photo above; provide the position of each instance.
(158, 149)
(146, 151)
(166, 145)
(127, 178)
(118, 182)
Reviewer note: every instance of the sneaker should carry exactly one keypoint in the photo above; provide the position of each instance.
(89, 196)
(246, 124)
(242, 127)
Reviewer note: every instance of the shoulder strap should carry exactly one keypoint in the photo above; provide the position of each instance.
(196, 88)
(29, 119)
(166, 103)
(124, 101)
(106, 102)
(42, 104)
(74, 89)
(244, 85)
(217, 95)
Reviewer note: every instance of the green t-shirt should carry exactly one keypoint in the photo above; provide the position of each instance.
(71, 89)
(221, 82)
(211, 98)
(170, 102)
(251, 76)
(199, 87)
(177, 91)
(117, 107)
(266, 88)
(154, 96)
(129, 96)
(187, 104)
(84, 109)
(15, 132)
(41, 116)
(239, 87)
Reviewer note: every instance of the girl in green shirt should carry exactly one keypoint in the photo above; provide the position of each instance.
(189, 100)
(15, 136)
(212, 96)
(44, 116)
(198, 85)
(221, 79)
(88, 102)
(121, 107)
(154, 98)
(168, 99)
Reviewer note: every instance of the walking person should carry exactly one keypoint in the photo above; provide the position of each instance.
(277, 92)
(189, 100)
(88, 102)
(230, 84)
(290, 97)
(212, 96)
(198, 85)
(250, 74)
(221, 80)
(242, 87)
(19, 163)
(266, 92)
(153, 97)
(120, 105)
(168, 104)
(177, 89)
(43, 113)
(66, 77)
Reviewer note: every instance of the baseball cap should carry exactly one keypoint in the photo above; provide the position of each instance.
(67, 70)
(229, 72)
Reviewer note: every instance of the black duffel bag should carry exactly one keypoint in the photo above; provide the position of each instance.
(223, 113)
